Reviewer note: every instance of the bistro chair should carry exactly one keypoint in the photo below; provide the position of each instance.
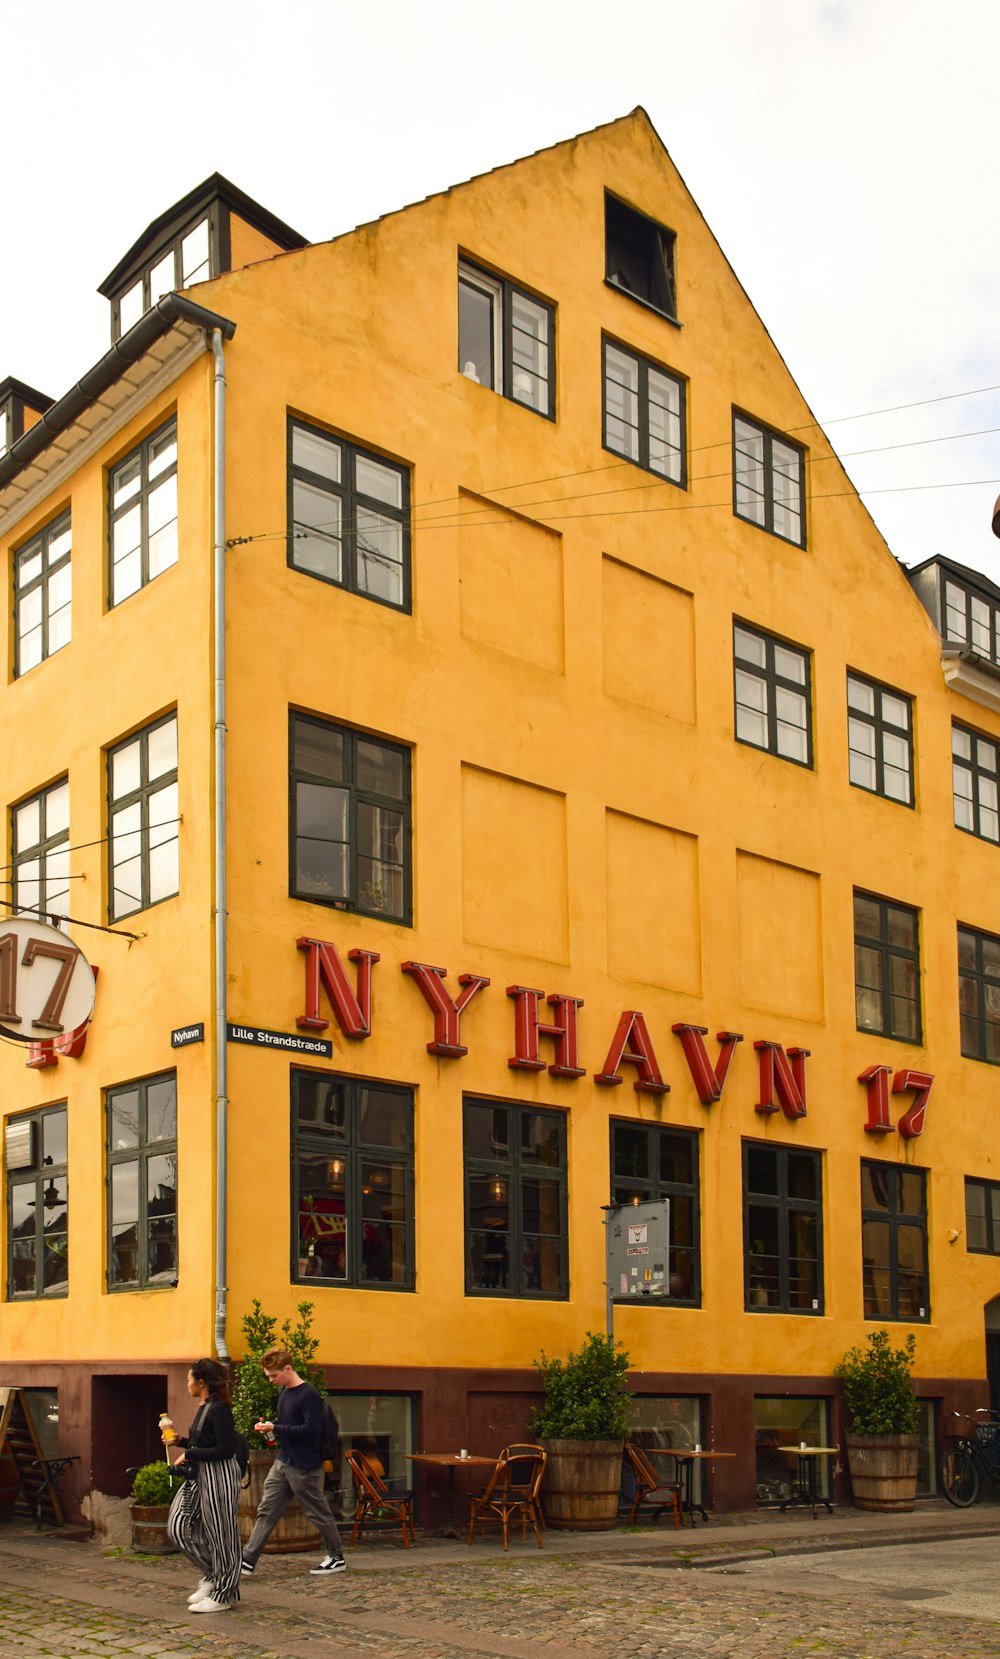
(374, 1501)
(511, 1491)
(651, 1489)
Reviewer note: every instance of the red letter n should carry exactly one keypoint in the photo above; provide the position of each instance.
(324, 967)
(777, 1077)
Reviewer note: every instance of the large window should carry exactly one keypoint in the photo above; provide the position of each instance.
(348, 516)
(644, 413)
(982, 1216)
(772, 694)
(142, 513)
(768, 480)
(142, 1183)
(43, 590)
(352, 1168)
(975, 774)
(880, 739)
(894, 1241)
(886, 968)
(506, 339)
(979, 994)
(649, 1162)
(515, 1201)
(350, 819)
(639, 256)
(782, 1229)
(37, 1203)
(971, 619)
(41, 852)
(185, 260)
(143, 819)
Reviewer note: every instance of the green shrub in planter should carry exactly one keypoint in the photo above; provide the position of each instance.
(154, 1485)
(255, 1400)
(586, 1397)
(878, 1392)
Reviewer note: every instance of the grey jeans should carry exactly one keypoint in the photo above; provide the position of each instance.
(284, 1483)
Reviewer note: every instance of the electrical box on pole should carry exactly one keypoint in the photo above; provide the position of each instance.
(638, 1250)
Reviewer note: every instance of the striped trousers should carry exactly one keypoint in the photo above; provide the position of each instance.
(203, 1522)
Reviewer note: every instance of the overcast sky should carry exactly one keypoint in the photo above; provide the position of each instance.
(844, 152)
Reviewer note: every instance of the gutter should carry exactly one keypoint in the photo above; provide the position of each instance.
(221, 1027)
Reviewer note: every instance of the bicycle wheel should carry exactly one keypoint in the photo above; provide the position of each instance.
(959, 1477)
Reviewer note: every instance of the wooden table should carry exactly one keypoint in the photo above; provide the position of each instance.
(451, 1461)
(809, 1492)
(687, 1460)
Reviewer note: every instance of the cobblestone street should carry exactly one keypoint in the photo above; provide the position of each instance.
(623, 1596)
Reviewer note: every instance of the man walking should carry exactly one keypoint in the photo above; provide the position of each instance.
(297, 1471)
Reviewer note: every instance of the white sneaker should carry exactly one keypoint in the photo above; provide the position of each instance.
(204, 1589)
(330, 1564)
(208, 1604)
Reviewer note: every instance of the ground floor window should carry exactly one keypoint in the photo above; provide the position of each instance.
(380, 1426)
(782, 1422)
(658, 1422)
(515, 1200)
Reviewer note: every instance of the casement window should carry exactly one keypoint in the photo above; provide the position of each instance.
(982, 1216)
(43, 591)
(768, 480)
(40, 841)
(975, 783)
(644, 417)
(971, 619)
(772, 694)
(639, 257)
(886, 968)
(349, 809)
(649, 1163)
(143, 820)
(142, 513)
(516, 1228)
(142, 1183)
(352, 1172)
(880, 739)
(185, 260)
(37, 1203)
(782, 1229)
(506, 339)
(979, 994)
(894, 1241)
(348, 516)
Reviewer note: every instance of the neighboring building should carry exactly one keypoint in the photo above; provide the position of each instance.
(605, 819)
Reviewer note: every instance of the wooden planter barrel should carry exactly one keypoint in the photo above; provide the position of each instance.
(293, 1532)
(149, 1529)
(883, 1470)
(581, 1483)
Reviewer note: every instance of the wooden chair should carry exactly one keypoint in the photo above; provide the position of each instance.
(512, 1491)
(650, 1487)
(375, 1502)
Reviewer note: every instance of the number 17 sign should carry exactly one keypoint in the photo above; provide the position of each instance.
(46, 982)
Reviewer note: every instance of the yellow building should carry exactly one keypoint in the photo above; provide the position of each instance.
(585, 807)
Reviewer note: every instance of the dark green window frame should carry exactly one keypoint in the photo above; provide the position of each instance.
(772, 694)
(894, 1216)
(769, 479)
(642, 1157)
(979, 994)
(517, 349)
(880, 739)
(352, 1182)
(644, 413)
(40, 866)
(782, 1206)
(141, 1120)
(887, 968)
(340, 532)
(515, 1182)
(154, 548)
(43, 576)
(640, 257)
(37, 1180)
(975, 782)
(144, 823)
(982, 1217)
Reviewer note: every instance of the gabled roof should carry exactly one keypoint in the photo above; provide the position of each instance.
(964, 572)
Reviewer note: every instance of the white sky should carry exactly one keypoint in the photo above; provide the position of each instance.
(844, 152)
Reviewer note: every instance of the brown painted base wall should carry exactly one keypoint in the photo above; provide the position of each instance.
(108, 1417)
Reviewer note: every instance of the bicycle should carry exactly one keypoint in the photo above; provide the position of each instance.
(976, 1452)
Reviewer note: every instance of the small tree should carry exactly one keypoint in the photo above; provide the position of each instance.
(878, 1392)
(255, 1400)
(586, 1397)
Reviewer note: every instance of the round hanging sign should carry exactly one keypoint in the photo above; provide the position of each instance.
(46, 982)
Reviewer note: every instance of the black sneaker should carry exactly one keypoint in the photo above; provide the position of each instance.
(247, 1567)
(331, 1564)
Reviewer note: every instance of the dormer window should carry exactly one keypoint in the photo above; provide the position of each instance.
(971, 619)
(20, 407)
(639, 257)
(185, 261)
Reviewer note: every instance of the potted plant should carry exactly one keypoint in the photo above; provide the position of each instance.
(153, 1488)
(882, 1445)
(255, 1400)
(582, 1424)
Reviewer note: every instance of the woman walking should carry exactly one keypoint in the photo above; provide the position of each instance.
(203, 1516)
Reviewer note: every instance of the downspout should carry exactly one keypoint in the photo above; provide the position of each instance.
(221, 1033)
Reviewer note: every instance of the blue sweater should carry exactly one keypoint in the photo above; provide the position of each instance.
(299, 1427)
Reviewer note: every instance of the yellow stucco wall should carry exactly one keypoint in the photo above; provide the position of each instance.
(584, 821)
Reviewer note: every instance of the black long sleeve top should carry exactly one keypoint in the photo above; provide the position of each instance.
(212, 1436)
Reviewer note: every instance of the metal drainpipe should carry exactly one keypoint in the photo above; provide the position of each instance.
(221, 1043)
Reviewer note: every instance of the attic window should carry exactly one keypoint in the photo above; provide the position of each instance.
(639, 257)
(184, 261)
(971, 619)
